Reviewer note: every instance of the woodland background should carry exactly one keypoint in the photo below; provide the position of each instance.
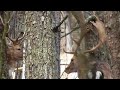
(43, 48)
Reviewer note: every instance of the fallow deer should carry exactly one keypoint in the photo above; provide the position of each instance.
(14, 54)
(80, 62)
(14, 50)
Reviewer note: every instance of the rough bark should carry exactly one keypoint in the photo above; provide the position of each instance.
(41, 46)
(4, 27)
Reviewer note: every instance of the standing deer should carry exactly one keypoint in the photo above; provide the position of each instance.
(14, 54)
(14, 50)
(80, 62)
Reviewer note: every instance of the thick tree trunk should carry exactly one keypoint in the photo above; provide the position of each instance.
(41, 47)
(112, 22)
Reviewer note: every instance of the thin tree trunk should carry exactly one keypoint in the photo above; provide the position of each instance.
(68, 43)
(4, 27)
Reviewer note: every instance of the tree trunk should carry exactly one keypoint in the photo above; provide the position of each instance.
(41, 46)
(2, 49)
(4, 27)
(111, 19)
(68, 44)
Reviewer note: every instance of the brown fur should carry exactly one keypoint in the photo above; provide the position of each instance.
(14, 52)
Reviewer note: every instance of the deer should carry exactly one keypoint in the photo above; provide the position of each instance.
(14, 54)
(79, 62)
(14, 51)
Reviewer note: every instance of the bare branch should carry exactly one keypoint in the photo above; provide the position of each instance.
(55, 29)
(2, 20)
(20, 35)
(71, 31)
(68, 52)
(22, 38)
(10, 17)
(68, 33)
(9, 37)
(20, 68)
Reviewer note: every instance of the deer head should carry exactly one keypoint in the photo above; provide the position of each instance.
(71, 67)
(80, 62)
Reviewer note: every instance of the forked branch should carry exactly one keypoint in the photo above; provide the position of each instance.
(9, 37)
(20, 36)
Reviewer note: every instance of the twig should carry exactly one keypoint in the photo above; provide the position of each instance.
(62, 74)
(70, 31)
(10, 17)
(2, 20)
(20, 68)
(55, 29)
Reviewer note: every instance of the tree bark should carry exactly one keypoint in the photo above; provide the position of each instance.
(68, 45)
(41, 46)
(4, 27)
